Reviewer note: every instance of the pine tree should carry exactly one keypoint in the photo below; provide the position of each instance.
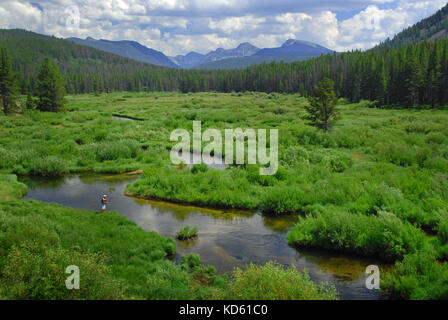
(322, 112)
(382, 89)
(50, 87)
(8, 82)
(413, 79)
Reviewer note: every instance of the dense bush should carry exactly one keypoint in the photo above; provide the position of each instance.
(228, 188)
(419, 277)
(384, 235)
(49, 166)
(282, 200)
(34, 272)
(274, 282)
(124, 149)
(399, 154)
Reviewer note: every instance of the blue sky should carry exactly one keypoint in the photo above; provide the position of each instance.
(180, 26)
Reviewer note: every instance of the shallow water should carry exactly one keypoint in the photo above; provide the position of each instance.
(197, 157)
(227, 239)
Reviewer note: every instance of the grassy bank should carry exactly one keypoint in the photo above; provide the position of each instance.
(10, 188)
(116, 259)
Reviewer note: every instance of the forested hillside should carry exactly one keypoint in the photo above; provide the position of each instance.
(408, 76)
(129, 49)
(434, 27)
(85, 69)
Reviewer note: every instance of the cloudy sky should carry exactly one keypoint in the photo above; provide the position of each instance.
(180, 26)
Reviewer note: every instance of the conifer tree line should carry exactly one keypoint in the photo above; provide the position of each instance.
(49, 87)
(405, 76)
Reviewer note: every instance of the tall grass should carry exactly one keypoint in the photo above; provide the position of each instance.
(272, 282)
(384, 235)
(10, 188)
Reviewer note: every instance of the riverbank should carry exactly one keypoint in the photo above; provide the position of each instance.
(10, 188)
(119, 260)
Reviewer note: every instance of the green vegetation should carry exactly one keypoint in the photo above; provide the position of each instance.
(244, 62)
(10, 188)
(376, 185)
(419, 277)
(433, 27)
(117, 260)
(322, 109)
(50, 88)
(370, 186)
(273, 282)
(8, 83)
(34, 272)
(85, 69)
(187, 233)
(382, 235)
(406, 76)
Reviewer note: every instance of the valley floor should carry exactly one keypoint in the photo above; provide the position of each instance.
(375, 186)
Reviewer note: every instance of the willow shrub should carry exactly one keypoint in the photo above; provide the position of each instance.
(48, 166)
(229, 188)
(383, 235)
(36, 272)
(282, 200)
(273, 282)
(418, 277)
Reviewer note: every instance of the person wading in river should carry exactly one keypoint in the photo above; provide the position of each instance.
(103, 203)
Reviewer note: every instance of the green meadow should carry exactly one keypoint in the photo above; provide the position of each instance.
(375, 185)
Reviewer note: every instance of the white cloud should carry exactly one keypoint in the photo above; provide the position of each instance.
(232, 24)
(179, 26)
(14, 14)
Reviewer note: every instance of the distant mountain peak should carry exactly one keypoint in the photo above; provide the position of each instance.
(294, 47)
(288, 43)
(128, 48)
(293, 42)
(246, 45)
(194, 59)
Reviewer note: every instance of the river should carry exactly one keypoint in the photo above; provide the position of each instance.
(227, 238)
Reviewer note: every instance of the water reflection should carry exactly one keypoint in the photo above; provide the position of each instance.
(227, 238)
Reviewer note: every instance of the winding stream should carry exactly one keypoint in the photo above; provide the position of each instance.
(227, 239)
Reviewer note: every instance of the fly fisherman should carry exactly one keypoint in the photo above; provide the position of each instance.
(103, 203)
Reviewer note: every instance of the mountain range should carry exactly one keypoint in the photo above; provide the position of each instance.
(246, 54)
(129, 49)
(242, 56)
(243, 50)
(290, 51)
